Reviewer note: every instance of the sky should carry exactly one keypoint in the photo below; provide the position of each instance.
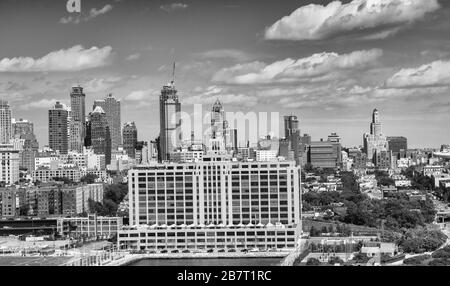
(328, 62)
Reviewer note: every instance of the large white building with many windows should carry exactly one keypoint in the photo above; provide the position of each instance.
(9, 164)
(213, 204)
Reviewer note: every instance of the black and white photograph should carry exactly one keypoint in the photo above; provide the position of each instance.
(205, 135)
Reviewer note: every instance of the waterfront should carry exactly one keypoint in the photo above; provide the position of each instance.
(271, 261)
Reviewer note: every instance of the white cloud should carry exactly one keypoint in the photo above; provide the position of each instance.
(101, 84)
(210, 94)
(73, 59)
(173, 7)
(436, 73)
(318, 66)
(225, 54)
(93, 13)
(314, 22)
(134, 57)
(142, 95)
(40, 104)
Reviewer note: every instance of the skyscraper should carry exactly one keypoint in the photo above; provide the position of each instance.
(23, 130)
(292, 133)
(57, 128)
(5, 122)
(100, 135)
(397, 143)
(111, 107)
(290, 125)
(170, 122)
(77, 103)
(374, 141)
(76, 138)
(21, 127)
(130, 138)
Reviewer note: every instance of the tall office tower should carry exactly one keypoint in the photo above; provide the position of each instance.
(219, 127)
(9, 164)
(20, 127)
(374, 141)
(77, 103)
(130, 138)
(233, 141)
(111, 106)
(292, 133)
(5, 122)
(76, 138)
(397, 143)
(23, 130)
(214, 204)
(290, 126)
(58, 128)
(100, 135)
(169, 120)
(87, 138)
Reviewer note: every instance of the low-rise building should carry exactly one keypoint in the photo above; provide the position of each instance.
(92, 226)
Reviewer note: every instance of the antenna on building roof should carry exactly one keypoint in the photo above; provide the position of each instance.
(173, 73)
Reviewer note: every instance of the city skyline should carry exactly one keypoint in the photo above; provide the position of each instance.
(331, 78)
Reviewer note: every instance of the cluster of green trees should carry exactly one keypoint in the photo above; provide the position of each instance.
(417, 260)
(313, 262)
(383, 178)
(421, 240)
(396, 212)
(439, 257)
(113, 196)
(418, 180)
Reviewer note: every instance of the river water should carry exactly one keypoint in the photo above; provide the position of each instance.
(209, 262)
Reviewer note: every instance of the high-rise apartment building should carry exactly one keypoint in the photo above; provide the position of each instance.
(292, 133)
(78, 106)
(76, 137)
(9, 164)
(374, 141)
(170, 122)
(24, 130)
(111, 107)
(58, 128)
(130, 139)
(100, 133)
(5, 122)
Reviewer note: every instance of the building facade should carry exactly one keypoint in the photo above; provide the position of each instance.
(374, 141)
(9, 164)
(78, 107)
(213, 204)
(111, 107)
(58, 135)
(5, 122)
(170, 122)
(130, 139)
(100, 134)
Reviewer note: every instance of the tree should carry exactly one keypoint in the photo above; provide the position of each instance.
(23, 210)
(308, 168)
(66, 180)
(313, 262)
(89, 178)
(335, 260)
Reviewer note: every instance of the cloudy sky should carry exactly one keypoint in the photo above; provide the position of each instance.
(329, 63)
